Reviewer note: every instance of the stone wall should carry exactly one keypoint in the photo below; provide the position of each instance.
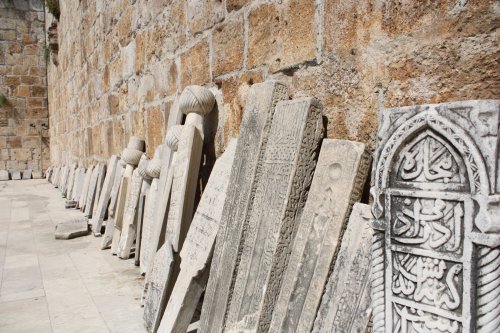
(24, 135)
(122, 62)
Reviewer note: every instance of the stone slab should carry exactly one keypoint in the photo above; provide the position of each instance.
(129, 224)
(197, 249)
(141, 207)
(71, 181)
(15, 174)
(161, 270)
(72, 228)
(287, 169)
(27, 174)
(113, 198)
(345, 305)
(100, 181)
(4, 175)
(436, 208)
(120, 207)
(77, 193)
(338, 182)
(102, 205)
(89, 202)
(252, 142)
(147, 251)
(37, 175)
(85, 188)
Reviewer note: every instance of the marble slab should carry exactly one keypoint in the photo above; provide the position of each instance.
(72, 228)
(89, 202)
(15, 174)
(27, 174)
(85, 189)
(4, 175)
(113, 198)
(147, 251)
(102, 205)
(100, 181)
(146, 186)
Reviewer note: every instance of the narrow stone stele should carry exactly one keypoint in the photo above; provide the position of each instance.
(129, 224)
(146, 186)
(345, 305)
(37, 175)
(85, 189)
(4, 175)
(71, 181)
(338, 182)
(287, 169)
(131, 156)
(113, 198)
(197, 249)
(72, 229)
(79, 186)
(102, 205)
(436, 208)
(27, 174)
(252, 142)
(89, 203)
(100, 181)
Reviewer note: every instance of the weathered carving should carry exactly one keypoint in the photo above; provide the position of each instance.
(435, 190)
(102, 205)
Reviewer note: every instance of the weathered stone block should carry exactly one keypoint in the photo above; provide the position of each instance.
(228, 46)
(72, 229)
(203, 14)
(195, 65)
(4, 175)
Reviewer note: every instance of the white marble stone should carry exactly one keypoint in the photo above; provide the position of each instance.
(4, 175)
(102, 205)
(85, 189)
(436, 208)
(89, 202)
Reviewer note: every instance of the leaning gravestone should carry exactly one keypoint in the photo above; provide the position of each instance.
(27, 174)
(146, 185)
(113, 198)
(79, 185)
(71, 181)
(338, 182)
(89, 203)
(72, 229)
(85, 189)
(287, 168)
(102, 205)
(197, 249)
(100, 180)
(436, 205)
(129, 224)
(131, 155)
(15, 174)
(345, 306)
(4, 175)
(252, 142)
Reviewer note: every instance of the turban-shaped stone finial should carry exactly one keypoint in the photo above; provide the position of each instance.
(196, 99)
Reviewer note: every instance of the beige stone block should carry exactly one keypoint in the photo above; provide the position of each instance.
(195, 65)
(31, 142)
(203, 14)
(228, 46)
(154, 129)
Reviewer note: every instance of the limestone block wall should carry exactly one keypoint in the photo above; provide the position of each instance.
(122, 62)
(24, 119)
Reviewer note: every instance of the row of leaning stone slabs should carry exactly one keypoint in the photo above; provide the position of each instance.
(436, 242)
(187, 142)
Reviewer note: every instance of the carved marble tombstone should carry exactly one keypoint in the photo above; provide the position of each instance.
(85, 189)
(246, 170)
(145, 188)
(338, 182)
(102, 205)
(197, 250)
(287, 169)
(345, 305)
(195, 102)
(100, 180)
(436, 208)
(131, 155)
(27, 174)
(153, 170)
(91, 193)
(71, 181)
(129, 224)
(113, 198)
(4, 175)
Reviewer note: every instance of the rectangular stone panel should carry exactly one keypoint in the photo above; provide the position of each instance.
(287, 168)
(345, 305)
(4, 175)
(338, 182)
(120, 207)
(197, 248)
(89, 202)
(102, 205)
(129, 224)
(100, 181)
(252, 141)
(146, 186)
(85, 189)
(147, 251)
(113, 198)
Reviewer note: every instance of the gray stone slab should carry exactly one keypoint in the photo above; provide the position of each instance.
(287, 169)
(72, 228)
(27, 174)
(252, 141)
(120, 208)
(89, 202)
(100, 181)
(436, 208)
(110, 223)
(197, 249)
(77, 193)
(71, 181)
(15, 174)
(102, 205)
(4, 175)
(345, 305)
(338, 182)
(147, 251)
(85, 189)
(37, 175)
(161, 270)
(141, 207)
(129, 226)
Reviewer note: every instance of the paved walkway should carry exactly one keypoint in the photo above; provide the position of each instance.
(49, 285)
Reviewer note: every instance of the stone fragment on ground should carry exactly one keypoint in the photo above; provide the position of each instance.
(72, 228)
